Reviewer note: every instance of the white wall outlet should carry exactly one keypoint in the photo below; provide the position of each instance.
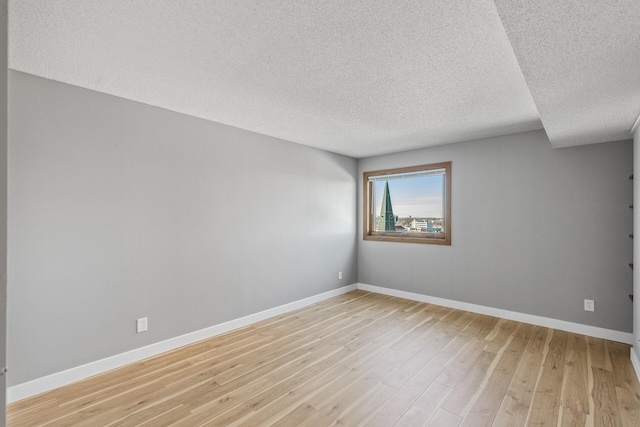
(339, 275)
(141, 325)
(589, 305)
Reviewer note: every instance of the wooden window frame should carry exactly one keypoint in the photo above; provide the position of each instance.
(408, 237)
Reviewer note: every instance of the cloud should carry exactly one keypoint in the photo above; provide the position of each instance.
(423, 206)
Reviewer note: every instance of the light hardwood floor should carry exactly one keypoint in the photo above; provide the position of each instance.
(361, 359)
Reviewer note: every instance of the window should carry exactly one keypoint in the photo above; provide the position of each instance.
(411, 204)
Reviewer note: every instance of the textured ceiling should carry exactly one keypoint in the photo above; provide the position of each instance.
(356, 77)
(581, 61)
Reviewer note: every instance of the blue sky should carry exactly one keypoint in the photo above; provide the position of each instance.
(416, 197)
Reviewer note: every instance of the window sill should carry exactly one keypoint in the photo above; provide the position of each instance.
(408, 238)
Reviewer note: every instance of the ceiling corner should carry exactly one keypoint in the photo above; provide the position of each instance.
(635, 125)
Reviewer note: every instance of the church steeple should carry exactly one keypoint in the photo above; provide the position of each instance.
(386, 221)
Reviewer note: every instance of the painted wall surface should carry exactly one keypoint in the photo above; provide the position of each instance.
(120, 210)
(636, 243)
(3, 206)
(534, 230)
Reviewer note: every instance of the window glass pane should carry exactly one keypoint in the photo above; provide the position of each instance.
(414, 204)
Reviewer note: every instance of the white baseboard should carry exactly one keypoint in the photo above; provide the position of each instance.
(59, 379)
(563, 325)
(635, 362)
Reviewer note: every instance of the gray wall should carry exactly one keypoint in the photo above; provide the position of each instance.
(3, 204)
(534, 230)
(119, 210)
(636, 243)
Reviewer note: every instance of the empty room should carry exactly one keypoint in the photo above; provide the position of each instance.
(315, 213)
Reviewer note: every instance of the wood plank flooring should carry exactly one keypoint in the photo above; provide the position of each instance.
(361, 359)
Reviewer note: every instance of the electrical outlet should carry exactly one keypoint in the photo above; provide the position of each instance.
(141, 325)
(339, 275)
(589, 305)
